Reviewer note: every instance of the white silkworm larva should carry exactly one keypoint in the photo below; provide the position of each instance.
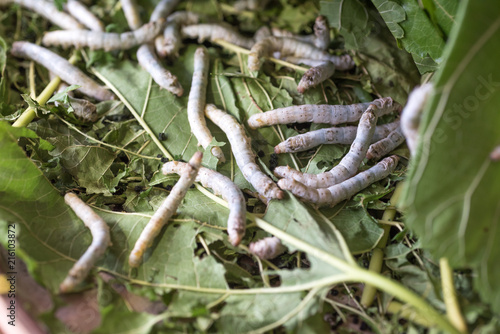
(102, 40)
(277, 32)
(221, 185)
(170, 42)
(267, 248)
(342, 191)
(163, 9)
(292, 47)
(166, 210)
(305, 61)
(315, 75)
(48, 10)
(336, 135)
(323, 113)
(410, 116)
(250, 4)
(131, 13)
(216, 31)
(384, 146)
(196, 103)
(349, 164)
(261, 33)
(84, 15)
(62, 68)
(243, 154)
(148, 60)
(321, 33)
(100, 242)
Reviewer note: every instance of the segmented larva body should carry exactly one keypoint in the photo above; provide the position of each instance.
(166, 210)
(335, 194)
(410, 116)
(170, 42)
(292, 47)
(321, 33)
(243, 154)
(105, 41)
(215, 31)
(384, 146)
(349, 164)
(342, 135)
(163, 9)
(131, 13)
(196, 103)
(323, 113)
(305, 61)
(261, 33)
(267, 248)
(48, 10)
(148, 60)
(84, 15)
(100, 242)
(62, 68)
(223, 186)
(315, 75)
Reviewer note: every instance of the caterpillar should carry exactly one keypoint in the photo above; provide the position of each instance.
(323, 113)
(267, 248)
(196, 103)
(131, 13)
(305, 61)
(250, 4)
(315, 75)
(221, 185)
(100, 241)
(292, 47)
(386, 145)
(48, 10)
(105, 41)
(84, 15)
(62, 68)
(320, 38)
(163, 9)
(166, 210)
(261, 33)
(348, 166)
(170, 42)
(243, 154)
(215, 31)
(336, 135)
(335, 194)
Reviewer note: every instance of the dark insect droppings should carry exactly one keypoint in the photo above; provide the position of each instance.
(138, 189)
(162, 136)
(261, 154)
(164, 159)
(159, 155)
(192, 186)
(364, 326)
(169, 187)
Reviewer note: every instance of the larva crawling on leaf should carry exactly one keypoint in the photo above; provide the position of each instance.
(315, 75)
(305, 61)
(267, 248)
(384, 146)
(166, 210)
(48, 10)
(323, 113)
(261, 33)
(163, 9)
(292, 47)
(102, 40)
(336, 135)
(320, 38)
(215, 31)
(243, 154)
(349, 164)
(170, 42)
(100, 242)
(196, 103)
(84, 15)
(131, 13)
(62, 68)
(335, 194)
(221, 185)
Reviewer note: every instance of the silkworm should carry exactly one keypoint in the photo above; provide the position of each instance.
(148, 60)
(223, 186)
(196, 103)
(243, 154)
(323, 113)
(335, 194)
(100, 242)
(305, 61)
(267, 248)
(62, 68)
(292, 47)
(410, 116)
(163, 9)
(102, 40)
(261, 33)
(336, 135)
(170, 42)
(321, 33)
(48, 10)
(131, 13)
(215, 31)
(84, 15)
(386, 145)
(349, 164)
(250, 4)
(166, 210)
(315, 75)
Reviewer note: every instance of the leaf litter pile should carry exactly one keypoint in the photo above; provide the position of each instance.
(226, 167)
